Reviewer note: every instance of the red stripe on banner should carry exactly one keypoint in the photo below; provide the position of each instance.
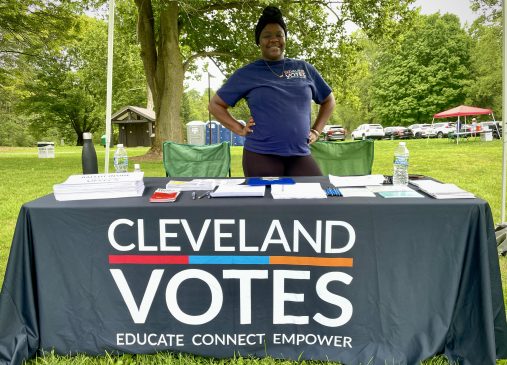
(148, 259)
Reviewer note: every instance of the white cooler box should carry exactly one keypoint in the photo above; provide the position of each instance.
(46, 149)
(487, 136)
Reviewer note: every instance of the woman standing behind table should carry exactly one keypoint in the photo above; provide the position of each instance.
(278, 91)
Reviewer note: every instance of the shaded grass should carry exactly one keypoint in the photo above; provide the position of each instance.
(473, 165)
(184, 359)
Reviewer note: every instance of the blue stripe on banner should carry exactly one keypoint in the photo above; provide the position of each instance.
(231, 260)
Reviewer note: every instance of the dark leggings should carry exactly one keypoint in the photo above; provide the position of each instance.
(256, 164)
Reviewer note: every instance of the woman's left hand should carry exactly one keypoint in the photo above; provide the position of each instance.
(313, 136)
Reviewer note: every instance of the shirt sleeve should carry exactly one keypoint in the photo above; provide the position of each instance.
(320, 88)
(234, 89)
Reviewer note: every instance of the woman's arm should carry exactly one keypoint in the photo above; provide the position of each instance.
(325, 111)
(219, 109)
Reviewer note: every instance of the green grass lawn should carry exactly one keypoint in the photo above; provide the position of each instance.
(473, 165)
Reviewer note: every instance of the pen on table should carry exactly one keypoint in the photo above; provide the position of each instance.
(203, 195)
(193, 195)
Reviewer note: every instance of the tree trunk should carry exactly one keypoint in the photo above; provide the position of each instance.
(149, 98)
(163, 66)
(169, 78)
(79, 131)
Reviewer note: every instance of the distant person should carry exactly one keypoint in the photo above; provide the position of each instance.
(475, 127)
(279, 92)
(458, 126)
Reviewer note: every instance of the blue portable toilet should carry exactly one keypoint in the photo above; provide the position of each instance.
(215, 130)
(238, 140)
(225, 134)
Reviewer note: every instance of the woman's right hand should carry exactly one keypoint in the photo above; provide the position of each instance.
(247, 129)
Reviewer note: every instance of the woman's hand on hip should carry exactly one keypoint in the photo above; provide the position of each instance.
(247, 129)
(313, 136)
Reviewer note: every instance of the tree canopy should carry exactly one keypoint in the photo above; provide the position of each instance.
(399, 67)
(428, 71)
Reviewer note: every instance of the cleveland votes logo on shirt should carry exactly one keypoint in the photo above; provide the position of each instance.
(292, 74)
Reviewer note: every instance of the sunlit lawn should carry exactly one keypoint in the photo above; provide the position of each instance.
(473, 165)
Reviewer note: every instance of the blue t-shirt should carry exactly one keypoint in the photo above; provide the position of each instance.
(280, 106)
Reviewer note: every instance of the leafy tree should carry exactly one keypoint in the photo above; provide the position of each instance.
(27, 28)
(428, 72)
(486, 58)
(174, 33)
(62, 91)
(491, 10)
(354, 107)
(68, 89)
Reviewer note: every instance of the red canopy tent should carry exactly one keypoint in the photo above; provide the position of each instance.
(462, 110)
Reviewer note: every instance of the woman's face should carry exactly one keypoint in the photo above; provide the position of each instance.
(272, 42)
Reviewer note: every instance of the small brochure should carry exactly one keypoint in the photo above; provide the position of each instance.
(200, 184)
(164, 196)
(232, 191)
(356, 181)
(395, 191)
(400, 194)
(298, 191)
(357, 192)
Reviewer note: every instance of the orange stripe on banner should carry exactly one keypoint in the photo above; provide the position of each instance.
(311, 261)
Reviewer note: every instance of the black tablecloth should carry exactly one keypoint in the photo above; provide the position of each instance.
(356, 280)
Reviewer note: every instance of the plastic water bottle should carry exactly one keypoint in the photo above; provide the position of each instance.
(121, 160)
(137, 168)
(88, 155)
(400, 173)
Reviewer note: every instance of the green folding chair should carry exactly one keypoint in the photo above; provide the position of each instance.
(344, 158)
(186, 160)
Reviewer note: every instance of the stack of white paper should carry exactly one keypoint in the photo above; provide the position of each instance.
(350, 181)
(442, 191)
(100, 186)
(201, 184)
(298, 191)
(230, 191)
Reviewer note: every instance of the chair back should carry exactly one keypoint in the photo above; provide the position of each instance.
(344, 158)
(186, 160)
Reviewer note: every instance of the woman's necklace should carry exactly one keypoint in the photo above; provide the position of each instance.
(274, 73)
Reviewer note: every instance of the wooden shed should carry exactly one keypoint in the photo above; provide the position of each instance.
(136, 126)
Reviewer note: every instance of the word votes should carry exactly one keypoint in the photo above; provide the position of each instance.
(291, 74)
(229, 235)
(244, 280)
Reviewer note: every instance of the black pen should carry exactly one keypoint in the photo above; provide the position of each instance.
(203, 195)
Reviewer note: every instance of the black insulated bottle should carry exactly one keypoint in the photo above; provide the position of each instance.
(88, 155)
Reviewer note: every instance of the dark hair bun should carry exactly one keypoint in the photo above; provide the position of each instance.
(270, 15)
(272, 12)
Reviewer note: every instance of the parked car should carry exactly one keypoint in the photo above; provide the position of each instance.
(397, 132)
(422, 130)
(334, 133)
(443, 129)
(494, 126)
(372, 131)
